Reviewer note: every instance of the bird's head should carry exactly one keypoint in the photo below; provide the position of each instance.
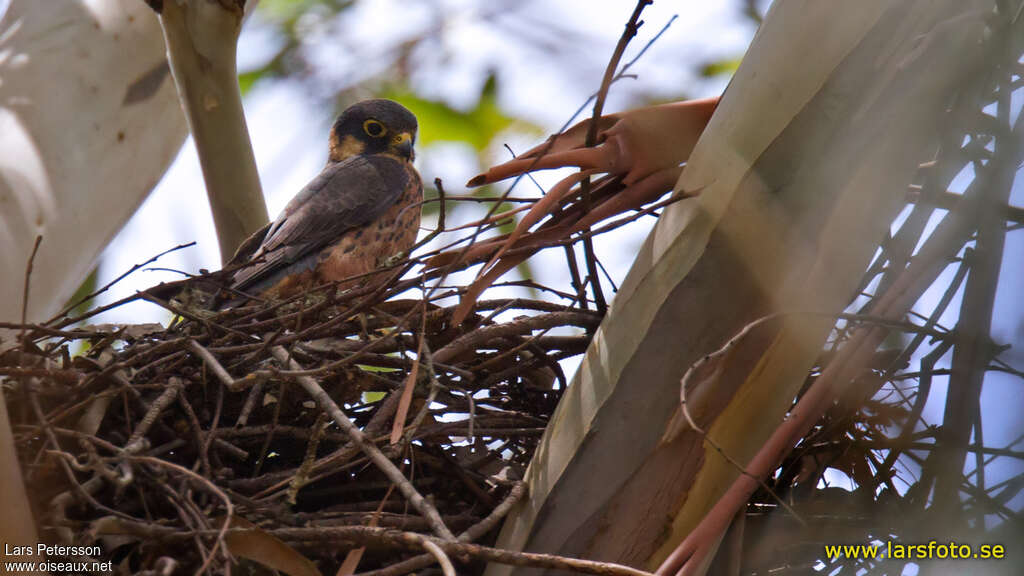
(373, 127)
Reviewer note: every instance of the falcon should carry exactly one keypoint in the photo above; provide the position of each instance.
(361, 210)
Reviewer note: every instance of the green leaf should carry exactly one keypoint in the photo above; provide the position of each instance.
(371, 397)
(290, 10)
(246, 80)
(366, 368)
(721, 67)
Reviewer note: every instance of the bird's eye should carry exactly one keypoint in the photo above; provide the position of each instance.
(374, 128)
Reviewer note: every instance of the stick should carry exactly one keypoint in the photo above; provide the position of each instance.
(28, 277)
(372, 452)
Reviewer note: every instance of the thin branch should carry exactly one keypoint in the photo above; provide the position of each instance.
(67, 309)
(590, 258)
(214, 365)
(28, 278)
(442, 559)
(372, 452)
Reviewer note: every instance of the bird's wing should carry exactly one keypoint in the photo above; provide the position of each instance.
(249, 246)
(345, 195)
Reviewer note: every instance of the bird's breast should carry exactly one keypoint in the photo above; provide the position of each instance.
(362, 249)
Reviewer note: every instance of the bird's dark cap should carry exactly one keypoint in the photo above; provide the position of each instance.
(391, 113)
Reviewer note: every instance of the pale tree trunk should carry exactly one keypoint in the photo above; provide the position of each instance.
(800, 171)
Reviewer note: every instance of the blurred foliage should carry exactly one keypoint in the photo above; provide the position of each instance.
(753, 11)
(720, 67)
(478, 127)
(246, 80)
(287, 12)
(301, 37)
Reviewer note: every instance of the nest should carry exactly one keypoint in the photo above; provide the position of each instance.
(338, 427)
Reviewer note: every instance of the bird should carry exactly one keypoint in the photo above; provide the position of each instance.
(359, 212)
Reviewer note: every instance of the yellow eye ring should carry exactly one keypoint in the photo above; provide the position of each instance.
(374, 128)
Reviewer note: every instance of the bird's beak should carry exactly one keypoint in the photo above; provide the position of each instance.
(403, 145)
